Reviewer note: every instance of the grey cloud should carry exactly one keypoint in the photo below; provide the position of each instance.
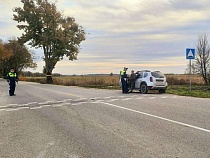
(189, 5)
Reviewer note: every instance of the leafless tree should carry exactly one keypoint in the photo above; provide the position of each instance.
(193, 69)
(203, 58)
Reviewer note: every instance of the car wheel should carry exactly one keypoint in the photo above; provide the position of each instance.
(143, 88)
(162, 90)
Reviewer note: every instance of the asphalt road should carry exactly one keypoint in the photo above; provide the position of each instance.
(50, 121)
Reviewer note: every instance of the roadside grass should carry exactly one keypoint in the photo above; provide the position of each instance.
(200, 91)
(178, 84)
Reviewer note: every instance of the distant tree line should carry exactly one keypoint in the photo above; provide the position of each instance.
(36, 74)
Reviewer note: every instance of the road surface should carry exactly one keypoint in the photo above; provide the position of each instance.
(51, 121)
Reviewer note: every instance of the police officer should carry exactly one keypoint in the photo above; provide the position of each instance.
(12, 78)
(124, 80)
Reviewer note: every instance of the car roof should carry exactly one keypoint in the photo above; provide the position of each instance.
(144, 71)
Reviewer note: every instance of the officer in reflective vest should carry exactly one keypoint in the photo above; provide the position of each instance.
(12, 79)
(124, 80)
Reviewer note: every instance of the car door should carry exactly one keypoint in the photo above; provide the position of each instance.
(138, 79)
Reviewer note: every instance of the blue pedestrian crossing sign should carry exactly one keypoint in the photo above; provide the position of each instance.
(190, 53)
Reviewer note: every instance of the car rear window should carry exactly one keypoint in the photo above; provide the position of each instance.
(158, 74)
(145, 74)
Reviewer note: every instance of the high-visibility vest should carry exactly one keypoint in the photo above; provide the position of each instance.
(122, 72)
(11, 74)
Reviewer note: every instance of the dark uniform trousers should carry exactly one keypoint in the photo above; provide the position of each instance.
(124, 81)
(12, 85)
(124, 85)
(12, 79)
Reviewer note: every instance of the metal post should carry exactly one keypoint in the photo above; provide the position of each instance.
(190, 77)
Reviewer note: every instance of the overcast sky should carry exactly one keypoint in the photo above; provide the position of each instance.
(138, 34)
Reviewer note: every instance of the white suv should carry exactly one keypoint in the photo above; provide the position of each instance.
(147, 80)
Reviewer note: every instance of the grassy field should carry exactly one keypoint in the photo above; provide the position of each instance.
(178, 84)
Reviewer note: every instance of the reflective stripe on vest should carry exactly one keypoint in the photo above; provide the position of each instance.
(12, 74)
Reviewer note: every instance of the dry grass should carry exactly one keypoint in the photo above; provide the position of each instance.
(184, 79)
(178, 84)
(87, 80)
(111, 80)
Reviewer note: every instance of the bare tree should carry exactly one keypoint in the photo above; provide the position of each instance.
(203, 57)
(193, 68)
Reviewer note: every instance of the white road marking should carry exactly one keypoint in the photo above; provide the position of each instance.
(152, 97)
(113, 100)
(12, 110)
(43, 103)
(96, 98)
(127, 99)
(107, 97)
(57, 102)
(98, 101)
(162, 118)
(138, 98)
(58, 105)
(3, 106)
(65, 100)
(39, 107)
(23, 108)
(32, 103)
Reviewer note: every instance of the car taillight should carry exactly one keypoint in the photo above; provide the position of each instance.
(151, 79)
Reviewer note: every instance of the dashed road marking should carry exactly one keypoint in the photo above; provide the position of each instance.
(11, 110)
(23, 108)
(80, 101)
(45, 106)
(127, 99)
(113, 100)
(32, 103)
(152, 98)
(57, 105)
(107, 97)
(34, 108)
(138, 98)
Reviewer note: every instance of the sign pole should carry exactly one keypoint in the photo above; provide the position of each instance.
(190, 54)
(190, 77)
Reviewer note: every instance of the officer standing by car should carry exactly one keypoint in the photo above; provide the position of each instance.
(12, 78)
(124, 80)
(132, 79)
